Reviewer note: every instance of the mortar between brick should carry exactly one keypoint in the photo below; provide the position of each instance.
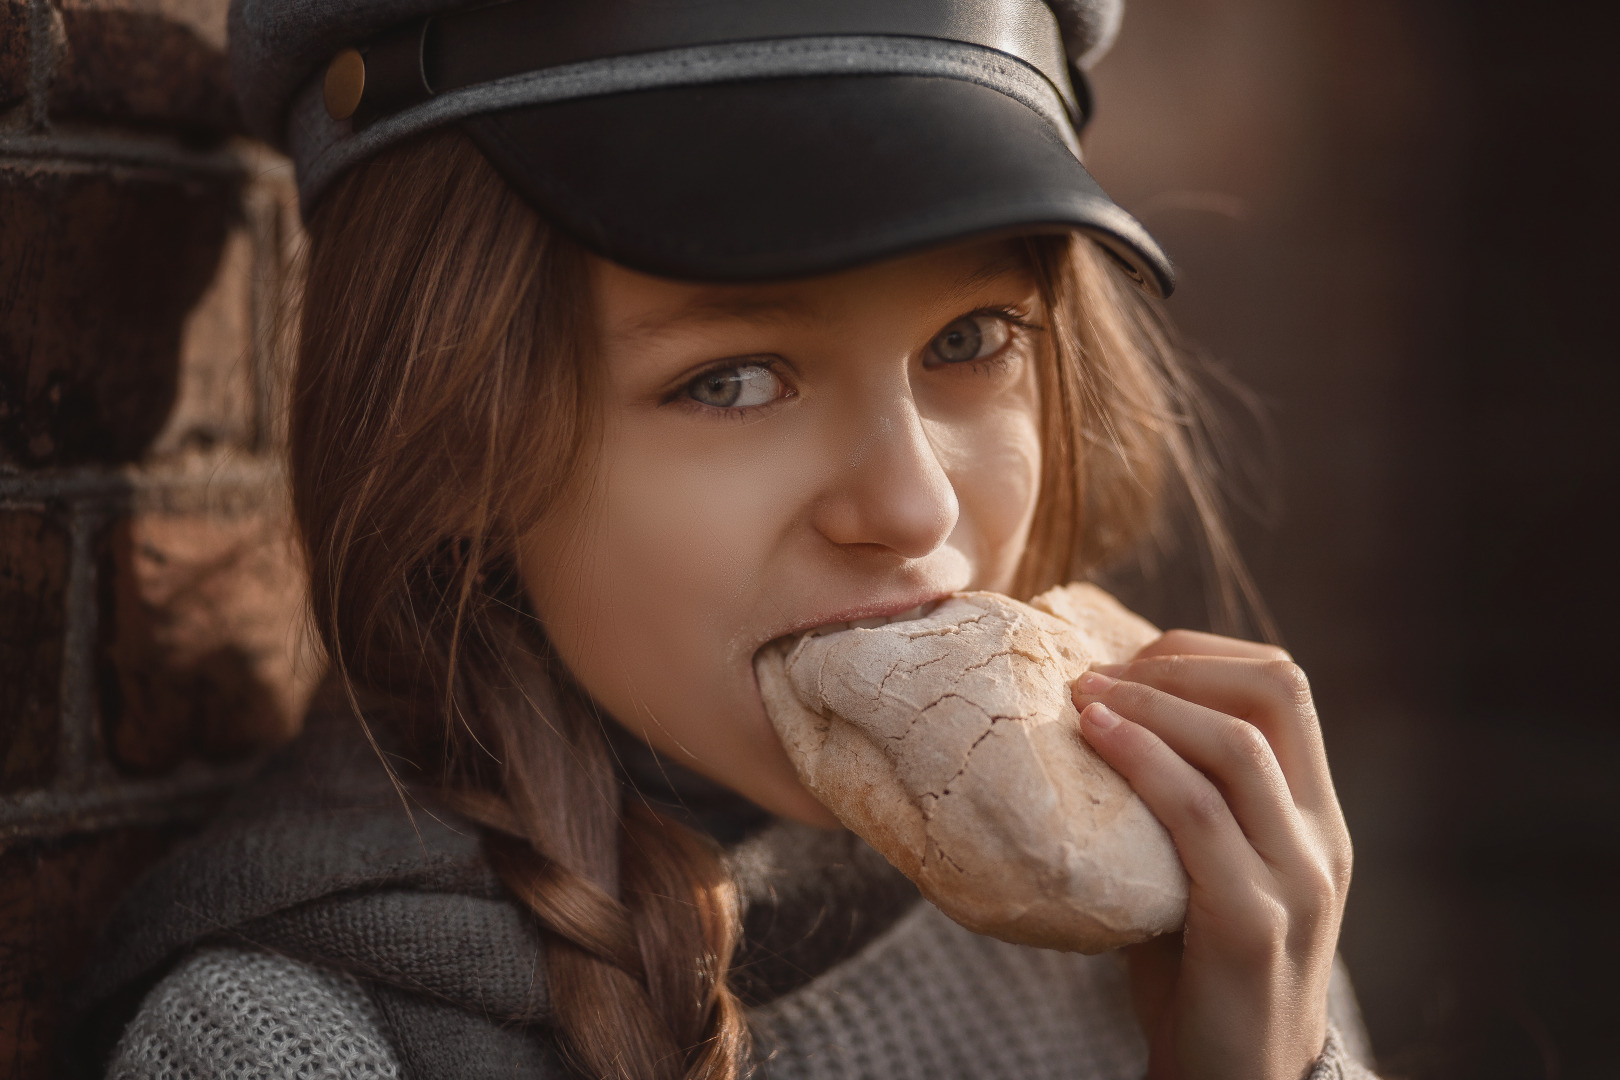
(190, 791)
(104, 152)
(80, 750)
(221, 484)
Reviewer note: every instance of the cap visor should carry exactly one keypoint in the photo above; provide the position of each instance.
(793, 177)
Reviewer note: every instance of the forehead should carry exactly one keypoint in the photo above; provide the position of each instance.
(632, 305)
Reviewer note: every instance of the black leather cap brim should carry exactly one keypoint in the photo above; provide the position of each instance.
(787, 178)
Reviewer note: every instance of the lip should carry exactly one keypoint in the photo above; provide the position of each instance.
(879, 611)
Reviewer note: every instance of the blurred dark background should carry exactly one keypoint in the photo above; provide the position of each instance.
(1395, 222)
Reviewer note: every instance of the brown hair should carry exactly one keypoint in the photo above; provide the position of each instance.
(443, 338)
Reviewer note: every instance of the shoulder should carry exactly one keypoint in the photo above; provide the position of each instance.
(932, 1001)
(229, 1011)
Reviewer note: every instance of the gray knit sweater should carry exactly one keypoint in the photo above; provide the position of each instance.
(929, 1001)
(316, 933)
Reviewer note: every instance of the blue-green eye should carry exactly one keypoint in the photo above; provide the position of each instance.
(972, 337)
(736, 387)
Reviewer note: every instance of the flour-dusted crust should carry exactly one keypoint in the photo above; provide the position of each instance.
(951, 745)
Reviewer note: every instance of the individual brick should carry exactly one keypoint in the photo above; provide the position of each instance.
(153, 62)
(14, 64)
(100, 277)
(34, 554)
(216, 397)
(53, 897)
(202, 646)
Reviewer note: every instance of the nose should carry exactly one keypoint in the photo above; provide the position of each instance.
(891, 492)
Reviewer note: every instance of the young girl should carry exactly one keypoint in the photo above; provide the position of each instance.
(636, 335)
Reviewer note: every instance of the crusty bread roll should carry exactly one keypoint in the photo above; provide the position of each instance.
(951, 745)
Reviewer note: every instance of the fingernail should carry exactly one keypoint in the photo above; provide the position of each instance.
(1095, 682)
(1108, 669)
(1101, 717)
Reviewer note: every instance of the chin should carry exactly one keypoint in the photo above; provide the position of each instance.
(772, 781)
(807, 811)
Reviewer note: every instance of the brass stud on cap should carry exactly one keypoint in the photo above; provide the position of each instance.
(345, 83)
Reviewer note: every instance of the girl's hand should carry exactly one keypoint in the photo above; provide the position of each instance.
(1221, 740)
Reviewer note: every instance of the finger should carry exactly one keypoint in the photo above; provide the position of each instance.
(1197, 643)
(1231, 752)
(1218, 857)
(1273, 695)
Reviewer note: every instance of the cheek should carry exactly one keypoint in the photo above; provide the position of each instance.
(995, 467)
(643, 585)
(692, 527)
(647, 590)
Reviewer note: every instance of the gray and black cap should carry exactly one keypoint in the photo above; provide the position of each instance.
(714, 139)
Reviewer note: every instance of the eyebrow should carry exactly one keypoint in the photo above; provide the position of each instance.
(720, 303)
(1006, 264)
(715, 305)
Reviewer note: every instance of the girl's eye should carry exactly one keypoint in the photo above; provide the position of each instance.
(736, 387)
(972, 337)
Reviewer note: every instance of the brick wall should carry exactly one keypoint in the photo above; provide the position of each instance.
(151, 639)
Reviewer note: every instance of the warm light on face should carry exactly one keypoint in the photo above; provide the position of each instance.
(776, 457)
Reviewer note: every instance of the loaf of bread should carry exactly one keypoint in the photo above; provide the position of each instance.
(950, 744)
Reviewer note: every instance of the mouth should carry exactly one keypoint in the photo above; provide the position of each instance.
(872, 622)
(866, 617)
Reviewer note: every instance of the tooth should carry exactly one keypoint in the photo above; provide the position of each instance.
(869, 624)
(905, 616)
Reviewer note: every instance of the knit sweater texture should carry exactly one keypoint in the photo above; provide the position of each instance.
(317, 931)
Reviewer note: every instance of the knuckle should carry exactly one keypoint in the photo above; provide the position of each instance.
(1133, 695)
(1343, 864)
(1172, 670)
(1319, 885)
(1325, 880)
(1260, 928)
(1204, 805)
(1177, 641)
(1246, 748)
(1287, 679)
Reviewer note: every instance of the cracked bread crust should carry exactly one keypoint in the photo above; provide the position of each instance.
(951, 745)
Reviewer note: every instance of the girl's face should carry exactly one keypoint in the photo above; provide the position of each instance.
(779, 457)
